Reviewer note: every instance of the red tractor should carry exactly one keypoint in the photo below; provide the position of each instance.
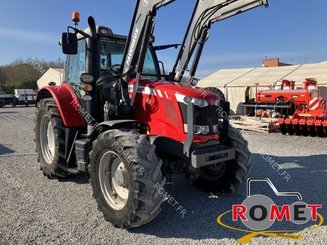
(131, 127)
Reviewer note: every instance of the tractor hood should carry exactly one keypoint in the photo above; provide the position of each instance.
(165, 89)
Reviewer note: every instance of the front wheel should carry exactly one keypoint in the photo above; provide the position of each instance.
(125, 177)
(227, 176)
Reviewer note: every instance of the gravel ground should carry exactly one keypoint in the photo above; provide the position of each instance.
(35, 210)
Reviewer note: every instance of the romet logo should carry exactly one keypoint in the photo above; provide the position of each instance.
(259, 212)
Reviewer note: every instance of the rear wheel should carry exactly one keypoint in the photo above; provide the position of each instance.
(227, 176)
(125, 176)
(50, 139)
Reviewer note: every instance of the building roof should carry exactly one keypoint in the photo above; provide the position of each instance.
(247, 77)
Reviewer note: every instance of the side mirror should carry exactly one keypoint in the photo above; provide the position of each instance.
(69, 43)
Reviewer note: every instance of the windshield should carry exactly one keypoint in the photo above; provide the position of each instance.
(111, 54)
(111, 57)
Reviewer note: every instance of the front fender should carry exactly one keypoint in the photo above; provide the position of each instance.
(67, 103)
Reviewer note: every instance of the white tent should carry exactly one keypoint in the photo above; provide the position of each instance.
(237, 84)
(51, 75)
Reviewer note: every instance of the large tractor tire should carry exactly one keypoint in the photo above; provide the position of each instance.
(50, 139)
(218, 92)
(125, 177)
(228, 176)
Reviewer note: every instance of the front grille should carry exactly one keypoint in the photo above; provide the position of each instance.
(206, 115)
(203, 116)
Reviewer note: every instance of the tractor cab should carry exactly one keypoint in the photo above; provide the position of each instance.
(110, 56)
(97, 53)
(103, 63)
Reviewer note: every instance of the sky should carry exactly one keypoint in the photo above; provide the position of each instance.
(293, 30)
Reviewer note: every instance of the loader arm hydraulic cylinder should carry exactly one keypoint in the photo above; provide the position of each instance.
(206, 13)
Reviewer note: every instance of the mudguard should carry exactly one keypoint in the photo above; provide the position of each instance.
(67, 102)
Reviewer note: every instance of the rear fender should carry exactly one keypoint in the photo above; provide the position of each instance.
(67, 102)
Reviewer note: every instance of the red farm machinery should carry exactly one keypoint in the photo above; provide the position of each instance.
(283, 100)
(309, 120)
(300, 110)
(131, 127)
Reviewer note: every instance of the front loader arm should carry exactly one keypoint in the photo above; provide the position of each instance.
(140, 33)
(139, 38)
(206, 13)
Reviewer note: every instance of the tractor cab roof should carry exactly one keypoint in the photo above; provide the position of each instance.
(102, 31)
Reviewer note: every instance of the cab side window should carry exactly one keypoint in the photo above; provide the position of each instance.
(76, 65)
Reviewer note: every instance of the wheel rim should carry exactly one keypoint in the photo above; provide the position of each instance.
(47, 140)
(113, 178)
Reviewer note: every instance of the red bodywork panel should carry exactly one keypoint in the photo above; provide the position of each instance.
(299, 96)
(156, 105)
(67, 102)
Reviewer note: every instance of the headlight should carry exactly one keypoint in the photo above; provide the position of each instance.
(200, 103)
(197, 129)
(201, 129)
(205, 129)
(187, 99)
(87, 98)
(87, 78)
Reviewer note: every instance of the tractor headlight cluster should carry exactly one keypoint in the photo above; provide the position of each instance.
(87, 79)
(194, 101)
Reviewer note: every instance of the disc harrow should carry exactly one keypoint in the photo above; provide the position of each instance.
(310, 121)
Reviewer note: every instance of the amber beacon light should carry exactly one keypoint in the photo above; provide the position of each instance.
(76, 17)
